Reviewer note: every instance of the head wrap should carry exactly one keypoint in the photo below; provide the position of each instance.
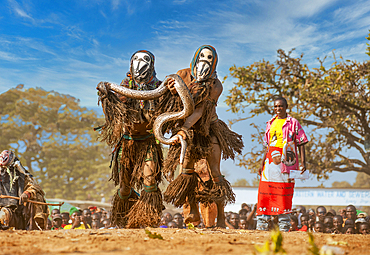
(275, 154)
(151, 72)
(73, 210)
(196, 57)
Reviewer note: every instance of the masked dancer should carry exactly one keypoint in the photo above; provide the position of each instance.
(16, 181)
(208, 138)
(137, 157)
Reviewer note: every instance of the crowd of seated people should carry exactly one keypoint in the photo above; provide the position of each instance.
(88, 218)
(346, 221)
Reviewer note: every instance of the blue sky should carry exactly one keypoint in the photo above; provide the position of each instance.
(70, 46)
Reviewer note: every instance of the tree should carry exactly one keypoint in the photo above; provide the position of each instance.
(241, 183)
(362, 181)
(334, 101)
(342, 184)
(54, 139)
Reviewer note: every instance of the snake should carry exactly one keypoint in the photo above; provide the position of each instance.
(182, 91)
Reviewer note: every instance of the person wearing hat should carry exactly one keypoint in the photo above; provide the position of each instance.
(358, 222)
(284, 141)
(57, 222)
(78, 221)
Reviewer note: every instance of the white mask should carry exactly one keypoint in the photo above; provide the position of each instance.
(141, 67)
(203, 65)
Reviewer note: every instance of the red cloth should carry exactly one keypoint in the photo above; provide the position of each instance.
(304, 228)
(296, 229)
(274, 198)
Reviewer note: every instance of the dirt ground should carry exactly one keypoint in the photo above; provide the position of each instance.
(176, 241)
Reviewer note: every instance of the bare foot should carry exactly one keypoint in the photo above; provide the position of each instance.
(192, 217)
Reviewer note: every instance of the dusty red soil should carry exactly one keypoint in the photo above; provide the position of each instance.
(183, 241)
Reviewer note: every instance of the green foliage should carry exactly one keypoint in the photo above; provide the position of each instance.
(241, 183)
(333, 100)
(54, 139)
(276, 246)
(153, 235)
(191, 226)
(313, 249)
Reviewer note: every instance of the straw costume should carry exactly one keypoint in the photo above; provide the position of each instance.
(208, 138)
(137, 157)
(16, 181)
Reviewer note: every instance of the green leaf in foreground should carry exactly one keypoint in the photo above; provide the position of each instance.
(191, 226)
(314, 250)
(153, 235)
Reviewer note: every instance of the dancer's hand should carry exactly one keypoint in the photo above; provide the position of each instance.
(171, 86)
(23, 198)
(177, 140)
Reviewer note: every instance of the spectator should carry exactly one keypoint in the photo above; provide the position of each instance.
(284, 136)
(311, 223)
(177, 218)
(349, 229)
(95, 225)
(103, 216)
(48, 224)
(312, 213)
(234, 221)
(332, 211)
(251, 218)
(364, 228)
(320, 213)
(304, 220)
(342, 212)
(300, 210)
(57, 222)
(351, 212)
(65, 218)
(243, 223)
(362, 215)
(105, 224)
(358, 222)
(293, 223)
(96, 217)
(328, 224)
(319, 227)
(246, 206)
(349, 222)
(86, 213)
(172, 224)
(54, 211)
(78, 221)
(168, 216)
(163, 223)
(243, 213)
(337, 224)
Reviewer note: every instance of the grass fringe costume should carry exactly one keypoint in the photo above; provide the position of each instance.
(14, 181)
(185, 187)
(130, 154)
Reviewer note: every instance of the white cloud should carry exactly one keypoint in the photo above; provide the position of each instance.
(18, 10)
(115, 4)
